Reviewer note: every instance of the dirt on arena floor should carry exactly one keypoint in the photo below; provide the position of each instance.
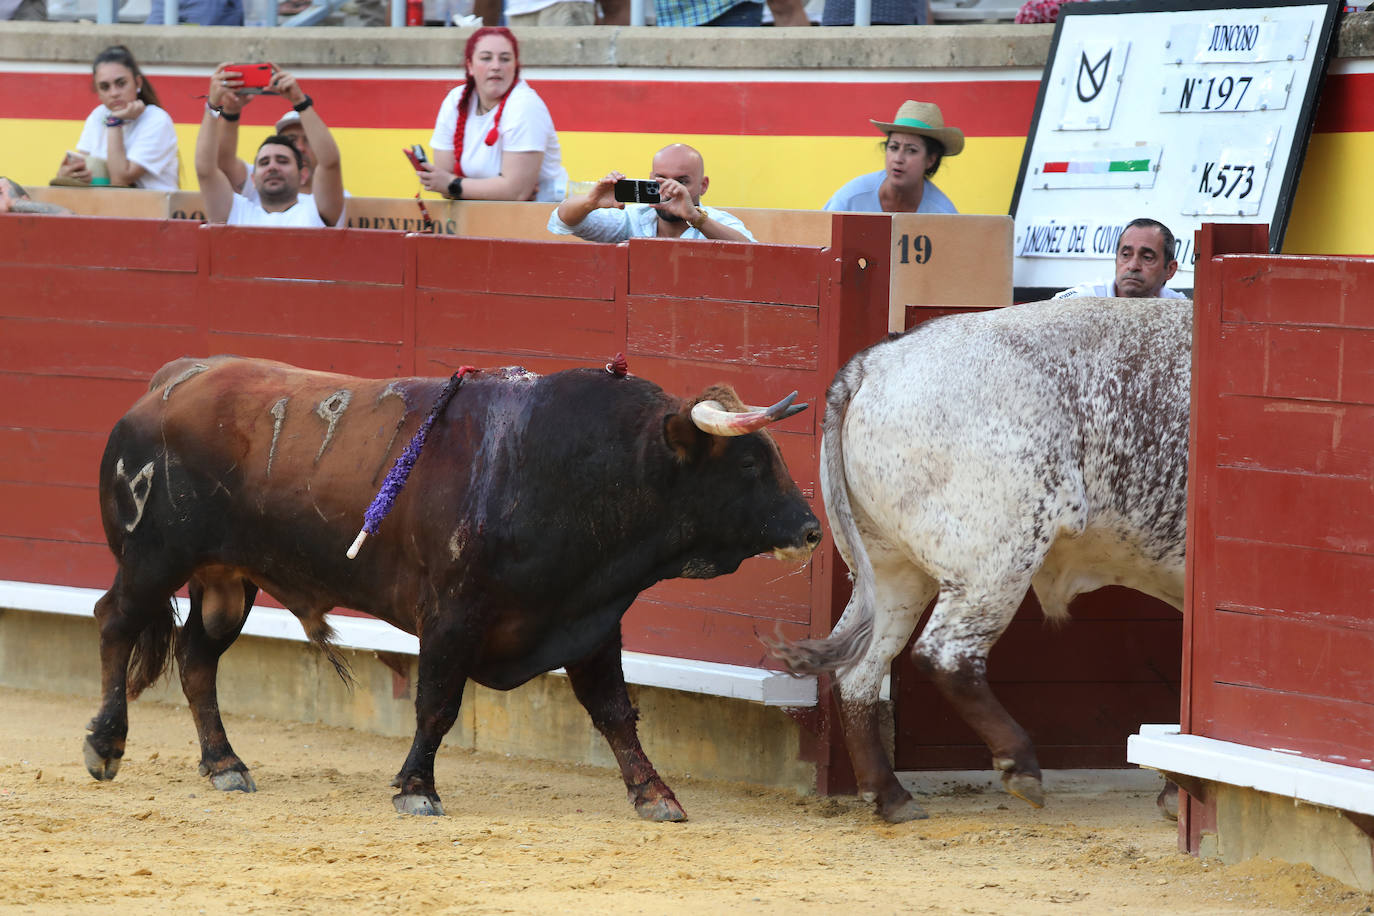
(525, 836)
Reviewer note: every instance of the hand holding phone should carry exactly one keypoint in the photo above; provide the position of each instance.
(637, 191)
(416, 155)
(256, 77)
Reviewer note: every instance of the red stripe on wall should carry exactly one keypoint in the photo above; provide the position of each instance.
(983, 109)
(997, 108)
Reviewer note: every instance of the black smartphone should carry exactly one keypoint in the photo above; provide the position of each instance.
(637, 191)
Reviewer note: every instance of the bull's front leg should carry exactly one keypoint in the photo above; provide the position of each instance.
(443, 669)
(599, 683)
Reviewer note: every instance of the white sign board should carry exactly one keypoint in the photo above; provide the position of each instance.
(1186, 113)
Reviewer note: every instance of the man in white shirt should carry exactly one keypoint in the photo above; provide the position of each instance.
(681, 175)
(1144, 263)
(279, 168)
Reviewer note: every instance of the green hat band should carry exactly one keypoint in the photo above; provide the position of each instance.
(912, 122)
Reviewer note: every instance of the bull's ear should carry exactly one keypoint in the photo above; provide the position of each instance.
(683, 437)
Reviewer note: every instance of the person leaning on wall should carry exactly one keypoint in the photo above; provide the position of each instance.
(128, 130)
(1144, 263)
(917, 142)
(278, 166)
(494, 138)
(681, 175)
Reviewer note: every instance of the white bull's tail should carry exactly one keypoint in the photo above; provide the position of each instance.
(850, 638)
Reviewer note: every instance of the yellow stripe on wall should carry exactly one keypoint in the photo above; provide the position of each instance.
(797, 173)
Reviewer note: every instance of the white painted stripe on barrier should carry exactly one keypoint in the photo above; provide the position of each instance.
(1277, 772)
(756, 685)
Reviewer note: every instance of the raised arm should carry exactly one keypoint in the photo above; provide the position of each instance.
(123, 173)
(224, 86)
(602, 196)
(214, 184)
(327, 182)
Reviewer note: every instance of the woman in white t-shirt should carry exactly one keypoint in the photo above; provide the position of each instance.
(127, 129)
(494, 138)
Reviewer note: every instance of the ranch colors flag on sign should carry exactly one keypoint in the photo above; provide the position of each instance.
(1185, 113)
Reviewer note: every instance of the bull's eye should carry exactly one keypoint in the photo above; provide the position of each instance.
(749, 465)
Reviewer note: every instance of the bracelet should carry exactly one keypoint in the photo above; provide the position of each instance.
(112, 121)
(303, 104)
(455, 188)
(230, 116)
(697, 221)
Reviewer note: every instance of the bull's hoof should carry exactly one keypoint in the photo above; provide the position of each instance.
(1025, 787)
(234, 781)
(1167, 801)
(661, 809)
(98, 765)
(902, 811)
(418, 804)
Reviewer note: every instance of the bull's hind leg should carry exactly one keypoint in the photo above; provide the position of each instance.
(599, 684)
(901, 592)
(953, 652)
(219, 606)
(136, 630)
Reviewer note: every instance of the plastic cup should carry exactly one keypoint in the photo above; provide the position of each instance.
(100, 182)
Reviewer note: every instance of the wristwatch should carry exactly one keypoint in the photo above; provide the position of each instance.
(696, 221)
(455, 188)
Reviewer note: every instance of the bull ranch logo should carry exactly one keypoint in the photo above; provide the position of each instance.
(1094, 75)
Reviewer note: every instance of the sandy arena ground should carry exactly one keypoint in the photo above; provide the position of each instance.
(524, 836)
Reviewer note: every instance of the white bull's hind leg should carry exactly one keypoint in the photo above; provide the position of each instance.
(901, 592)
(953, 653)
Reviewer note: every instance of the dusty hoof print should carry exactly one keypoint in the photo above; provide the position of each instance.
(664, 809)
(908, 810)
(1026, 788)
(234, 781)
(101, 768)
(418, 804)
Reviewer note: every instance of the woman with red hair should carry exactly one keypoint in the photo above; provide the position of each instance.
(494, 138)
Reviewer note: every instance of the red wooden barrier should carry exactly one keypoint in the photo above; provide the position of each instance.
(98, 305)
(1280, 628)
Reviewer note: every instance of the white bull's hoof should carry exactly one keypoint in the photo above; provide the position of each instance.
(234, 781)
(1025, 787)
(418, 804)
(101, 767)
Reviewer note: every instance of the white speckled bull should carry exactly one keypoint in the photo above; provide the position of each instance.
(1044, 446)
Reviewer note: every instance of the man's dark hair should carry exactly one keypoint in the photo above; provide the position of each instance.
(1170, 245)
(282, 140)
(16, 189)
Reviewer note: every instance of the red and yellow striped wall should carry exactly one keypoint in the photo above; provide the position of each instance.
(770, 140)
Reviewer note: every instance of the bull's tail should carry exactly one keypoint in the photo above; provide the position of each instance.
(322, 635)
(152, 649)
(850, 639)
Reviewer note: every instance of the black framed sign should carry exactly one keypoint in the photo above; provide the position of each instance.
(1185, 112)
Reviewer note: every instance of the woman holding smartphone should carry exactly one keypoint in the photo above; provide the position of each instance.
(127, 129)
(494, 138)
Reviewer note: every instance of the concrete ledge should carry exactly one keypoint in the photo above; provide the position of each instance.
(756, 685)
(875, 48)
(1316, 782)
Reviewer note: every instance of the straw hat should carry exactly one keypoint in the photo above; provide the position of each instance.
(924, 118)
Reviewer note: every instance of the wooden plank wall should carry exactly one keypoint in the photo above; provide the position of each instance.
(1282, 559)
(95, 306)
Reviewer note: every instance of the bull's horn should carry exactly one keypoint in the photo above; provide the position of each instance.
(711, 417)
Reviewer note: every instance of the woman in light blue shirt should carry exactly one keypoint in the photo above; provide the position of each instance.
(917, 140)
